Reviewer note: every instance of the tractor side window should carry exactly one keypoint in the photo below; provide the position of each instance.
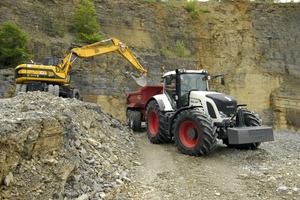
(186, 86)
(170, 88)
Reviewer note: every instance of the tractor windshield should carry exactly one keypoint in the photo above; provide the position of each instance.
(193, 81)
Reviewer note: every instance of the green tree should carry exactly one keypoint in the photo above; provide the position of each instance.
(85, 23)
(12, 45)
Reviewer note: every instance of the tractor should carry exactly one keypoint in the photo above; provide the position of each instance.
(183, 110)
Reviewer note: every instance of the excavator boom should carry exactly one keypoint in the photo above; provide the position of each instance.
(98, 48)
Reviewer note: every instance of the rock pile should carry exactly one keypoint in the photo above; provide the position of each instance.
(55, 148)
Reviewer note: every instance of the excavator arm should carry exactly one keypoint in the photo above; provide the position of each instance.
(100, 48)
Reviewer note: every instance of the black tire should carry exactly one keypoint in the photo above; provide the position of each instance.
(155, 121)
(23, 88)
(128, 117)
(17, 89)
(76, 94)
(51, 89)
(194, 134)
(56, 90)
(134, 120)
(251, 119)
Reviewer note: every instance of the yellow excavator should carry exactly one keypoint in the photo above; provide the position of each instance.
(55, 79)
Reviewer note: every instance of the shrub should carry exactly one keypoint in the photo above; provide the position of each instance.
(85, 23)
(12, 45)
(192, 8)
(165, 52)
(180, 49)
(52, 26)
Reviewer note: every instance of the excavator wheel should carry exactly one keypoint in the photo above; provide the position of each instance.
(23, 88)
(250, 120)
(76, 94)
(155, 121)
(56, 90)
(193, 133)
(17, 88)
(51, 89)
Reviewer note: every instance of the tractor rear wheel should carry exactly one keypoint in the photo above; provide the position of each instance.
(155, 121)
(194, 134)
(134, 119)
(251, 119)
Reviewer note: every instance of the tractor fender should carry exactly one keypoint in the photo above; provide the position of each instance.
(163, 102)
(180, 110)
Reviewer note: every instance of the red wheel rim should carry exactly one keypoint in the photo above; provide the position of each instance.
(188, 134)
(153, 123)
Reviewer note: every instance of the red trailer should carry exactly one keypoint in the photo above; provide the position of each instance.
(136, 102)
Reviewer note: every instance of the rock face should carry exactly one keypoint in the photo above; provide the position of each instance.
(276, 31)
(254, 45)
(55, 148)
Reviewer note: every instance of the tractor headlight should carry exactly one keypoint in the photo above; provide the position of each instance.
(195, 102)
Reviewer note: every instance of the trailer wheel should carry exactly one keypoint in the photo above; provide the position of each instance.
(128, 117)
(251, 119)
(155, 121)
(193, 133)
(134, 119)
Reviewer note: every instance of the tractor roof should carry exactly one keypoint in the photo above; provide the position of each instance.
(189, 71)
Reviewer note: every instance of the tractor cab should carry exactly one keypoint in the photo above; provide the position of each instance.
(194, 117)
(179, 83)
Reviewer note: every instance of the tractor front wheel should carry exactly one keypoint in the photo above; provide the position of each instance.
(193, 133)
(155, 121)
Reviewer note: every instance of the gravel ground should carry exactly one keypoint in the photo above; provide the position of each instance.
(88, 155)
(270, 172)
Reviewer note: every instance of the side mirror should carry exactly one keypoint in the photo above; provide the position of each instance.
(222, 80)
(206, 78)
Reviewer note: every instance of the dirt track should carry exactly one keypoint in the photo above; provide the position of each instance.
(270, 172)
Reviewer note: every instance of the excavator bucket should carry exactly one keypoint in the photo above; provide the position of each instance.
(140, 80)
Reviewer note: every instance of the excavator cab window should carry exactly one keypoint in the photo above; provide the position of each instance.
(51, 61)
